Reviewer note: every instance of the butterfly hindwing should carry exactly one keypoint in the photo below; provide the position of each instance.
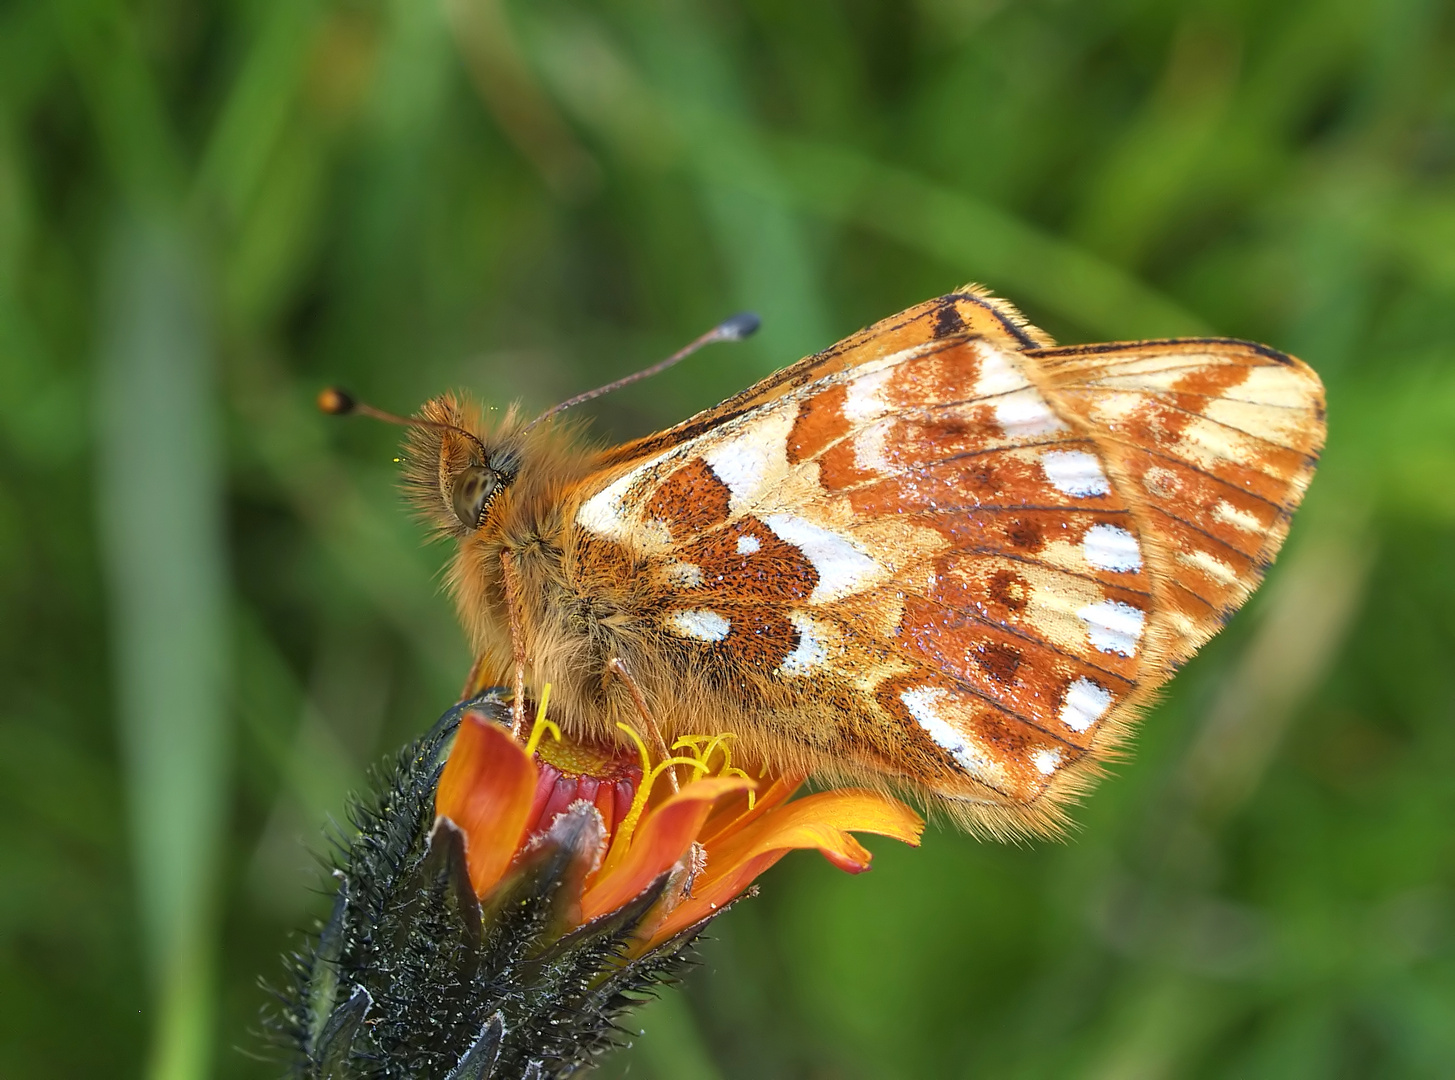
(968, 555)
(1215, 442)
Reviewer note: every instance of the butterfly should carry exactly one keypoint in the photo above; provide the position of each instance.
(944, 557)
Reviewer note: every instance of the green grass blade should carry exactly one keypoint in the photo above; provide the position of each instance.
(161, 514)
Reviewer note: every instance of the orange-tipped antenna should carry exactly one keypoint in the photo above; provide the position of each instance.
(736, 328)
(337, 402)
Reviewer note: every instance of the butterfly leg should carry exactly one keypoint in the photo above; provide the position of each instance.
(517, 643)
(477, 681)
(617, 666)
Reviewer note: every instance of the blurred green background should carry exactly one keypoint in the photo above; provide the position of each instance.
(217, 614)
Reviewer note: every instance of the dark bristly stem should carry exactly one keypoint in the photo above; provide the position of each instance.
(415, 976)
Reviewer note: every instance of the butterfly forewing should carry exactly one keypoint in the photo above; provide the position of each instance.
(921, 540)
(941, 553)
(970, 311)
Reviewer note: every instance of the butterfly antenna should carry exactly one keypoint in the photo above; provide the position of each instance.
(337, 402)
(740, 326)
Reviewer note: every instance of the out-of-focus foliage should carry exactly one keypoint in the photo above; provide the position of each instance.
(216, 613)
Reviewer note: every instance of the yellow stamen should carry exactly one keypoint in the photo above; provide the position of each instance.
(628, 825)
(622, 841)
(702, 747)
(723, 742)
(728, 770)
(542, 725)
(663, 766)
(713, 743)
(645, 757)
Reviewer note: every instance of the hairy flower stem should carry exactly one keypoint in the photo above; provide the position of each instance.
(414, 976)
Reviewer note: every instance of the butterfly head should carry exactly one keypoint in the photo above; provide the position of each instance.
(457, 470)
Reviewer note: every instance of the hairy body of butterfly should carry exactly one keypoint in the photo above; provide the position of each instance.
(943, 556)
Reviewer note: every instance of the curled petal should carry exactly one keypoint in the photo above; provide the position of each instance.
(487, 788)
(821, 821)
(733, 815)
(663, 837)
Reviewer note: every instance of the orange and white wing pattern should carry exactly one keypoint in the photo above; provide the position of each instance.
(968, 560)
(970, 310)
(1215, 441)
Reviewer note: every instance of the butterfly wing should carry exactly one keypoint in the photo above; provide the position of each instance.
(969, 310)
(1215, 442)
(961, 564)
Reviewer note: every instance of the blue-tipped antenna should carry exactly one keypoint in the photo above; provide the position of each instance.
(740, 326)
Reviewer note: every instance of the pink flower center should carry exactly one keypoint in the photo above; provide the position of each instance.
(556, 789)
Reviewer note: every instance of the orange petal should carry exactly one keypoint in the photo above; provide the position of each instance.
(730, 817)
(820, 821)
(662, 837)
(486, 789)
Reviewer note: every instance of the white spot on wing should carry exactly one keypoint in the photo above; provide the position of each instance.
(1277, 425)
(1084, 704)
(684, 575)
(861, 396)
(1278, 384)
(1110, 547)
(702, 624)
(869, 449)
(1112, 626)
(740, 463)
(1025, 414)
(1161, 483)
(996, 375)
(1046, 761)
(750, 458)
(842, 568)
(1075, 473)
(1210, 565)
(923, 704)
(1211, 445)
(748, 545)
(602, 513)
(812, 649)
(1229, 514)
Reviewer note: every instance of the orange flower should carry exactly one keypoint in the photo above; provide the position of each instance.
(712, 838)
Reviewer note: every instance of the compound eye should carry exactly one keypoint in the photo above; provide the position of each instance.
(473, 490)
